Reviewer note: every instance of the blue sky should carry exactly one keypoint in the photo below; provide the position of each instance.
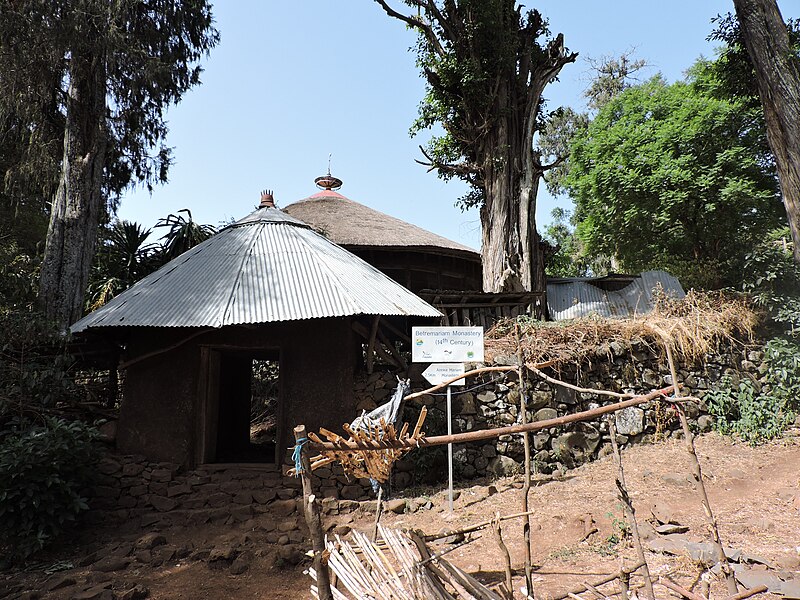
(294, 82)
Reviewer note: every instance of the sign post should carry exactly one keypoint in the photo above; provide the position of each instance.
(450, 347)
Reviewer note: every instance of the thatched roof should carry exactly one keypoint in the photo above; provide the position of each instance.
(354, 225)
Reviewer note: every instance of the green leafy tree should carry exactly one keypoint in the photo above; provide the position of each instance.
(107, 71)
(486, 64)
(569, 257)
(773, 280)
(612, 75)
(125, 257)
(667, 176)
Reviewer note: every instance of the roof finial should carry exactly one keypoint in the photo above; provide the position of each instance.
(328, 182)
(267, 201)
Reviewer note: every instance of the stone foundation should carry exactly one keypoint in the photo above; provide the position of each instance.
(130, 487)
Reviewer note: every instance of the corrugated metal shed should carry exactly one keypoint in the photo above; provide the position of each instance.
(264, 268)
(580, 297)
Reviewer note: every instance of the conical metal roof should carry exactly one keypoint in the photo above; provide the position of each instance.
(264, 268)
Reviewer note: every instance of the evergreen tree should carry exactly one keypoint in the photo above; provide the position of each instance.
(105, 71)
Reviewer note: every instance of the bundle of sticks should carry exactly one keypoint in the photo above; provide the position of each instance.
(400, 567)
(367, 464)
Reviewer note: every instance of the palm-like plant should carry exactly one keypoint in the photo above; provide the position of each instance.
(184, 233)
(122, 260)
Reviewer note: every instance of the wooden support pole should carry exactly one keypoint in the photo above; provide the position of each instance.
(526, 443)
(398, 358)
(630, 512)
(697, 474)
(488, 434)
(671, 585)
(469, 529)
(313, 519)
(371, 343)
(378, 510)
(498, 537)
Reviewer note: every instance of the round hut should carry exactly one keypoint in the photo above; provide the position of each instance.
(268, 293)
(415, 258)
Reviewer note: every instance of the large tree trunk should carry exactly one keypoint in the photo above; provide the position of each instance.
(510, 249)
(512, 260)
(78, 202)
(778, 76)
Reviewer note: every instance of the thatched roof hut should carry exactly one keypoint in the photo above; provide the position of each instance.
(412, 256)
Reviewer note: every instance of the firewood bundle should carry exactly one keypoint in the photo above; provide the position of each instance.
(401, 567)
(368, 464)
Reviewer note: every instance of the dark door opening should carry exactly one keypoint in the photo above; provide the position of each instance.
(249, 392)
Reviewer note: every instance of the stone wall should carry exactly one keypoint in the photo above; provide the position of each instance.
(131, 487)
(494, 401)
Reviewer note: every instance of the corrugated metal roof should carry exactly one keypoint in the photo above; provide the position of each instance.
(573, 298)
(264, 268)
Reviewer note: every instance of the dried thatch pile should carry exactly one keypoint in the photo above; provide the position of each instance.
(693, 327)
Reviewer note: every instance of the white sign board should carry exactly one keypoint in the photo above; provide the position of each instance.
(440, 372)
(447, 344)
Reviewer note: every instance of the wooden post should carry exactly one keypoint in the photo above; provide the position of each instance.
(623, 572)
(697, 473)
(313, 519)
(526, 442)
(373, 332)
(630, 513)
(498, 536)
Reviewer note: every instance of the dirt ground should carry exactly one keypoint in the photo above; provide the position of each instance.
(754, 493)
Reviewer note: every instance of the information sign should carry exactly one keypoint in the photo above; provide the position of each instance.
(447, 344)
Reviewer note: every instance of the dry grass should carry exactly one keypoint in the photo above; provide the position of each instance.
(693, 327)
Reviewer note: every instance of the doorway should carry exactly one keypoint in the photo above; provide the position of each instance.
(247, 407)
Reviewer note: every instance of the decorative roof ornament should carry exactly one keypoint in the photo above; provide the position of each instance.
(328, 182)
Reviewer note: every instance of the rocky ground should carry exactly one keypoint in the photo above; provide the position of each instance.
(577, 532)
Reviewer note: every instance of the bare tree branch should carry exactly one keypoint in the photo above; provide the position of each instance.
(558, 161)
(416, 23)
(462, 168)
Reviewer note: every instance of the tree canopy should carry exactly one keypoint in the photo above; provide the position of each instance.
(486, 64)
(670, 176)
(86, 84)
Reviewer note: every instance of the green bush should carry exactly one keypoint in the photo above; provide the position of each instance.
(43, 468)
(34, 366)
(774, 280)
(757, 412)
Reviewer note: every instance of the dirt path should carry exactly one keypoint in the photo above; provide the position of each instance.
(753, 491)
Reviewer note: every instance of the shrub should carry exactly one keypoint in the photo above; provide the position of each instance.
(774, 280)
(34, 365)
(43, 468)
(757, 412)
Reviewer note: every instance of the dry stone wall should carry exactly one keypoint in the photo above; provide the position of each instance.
(494, 401)
(133, 488)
